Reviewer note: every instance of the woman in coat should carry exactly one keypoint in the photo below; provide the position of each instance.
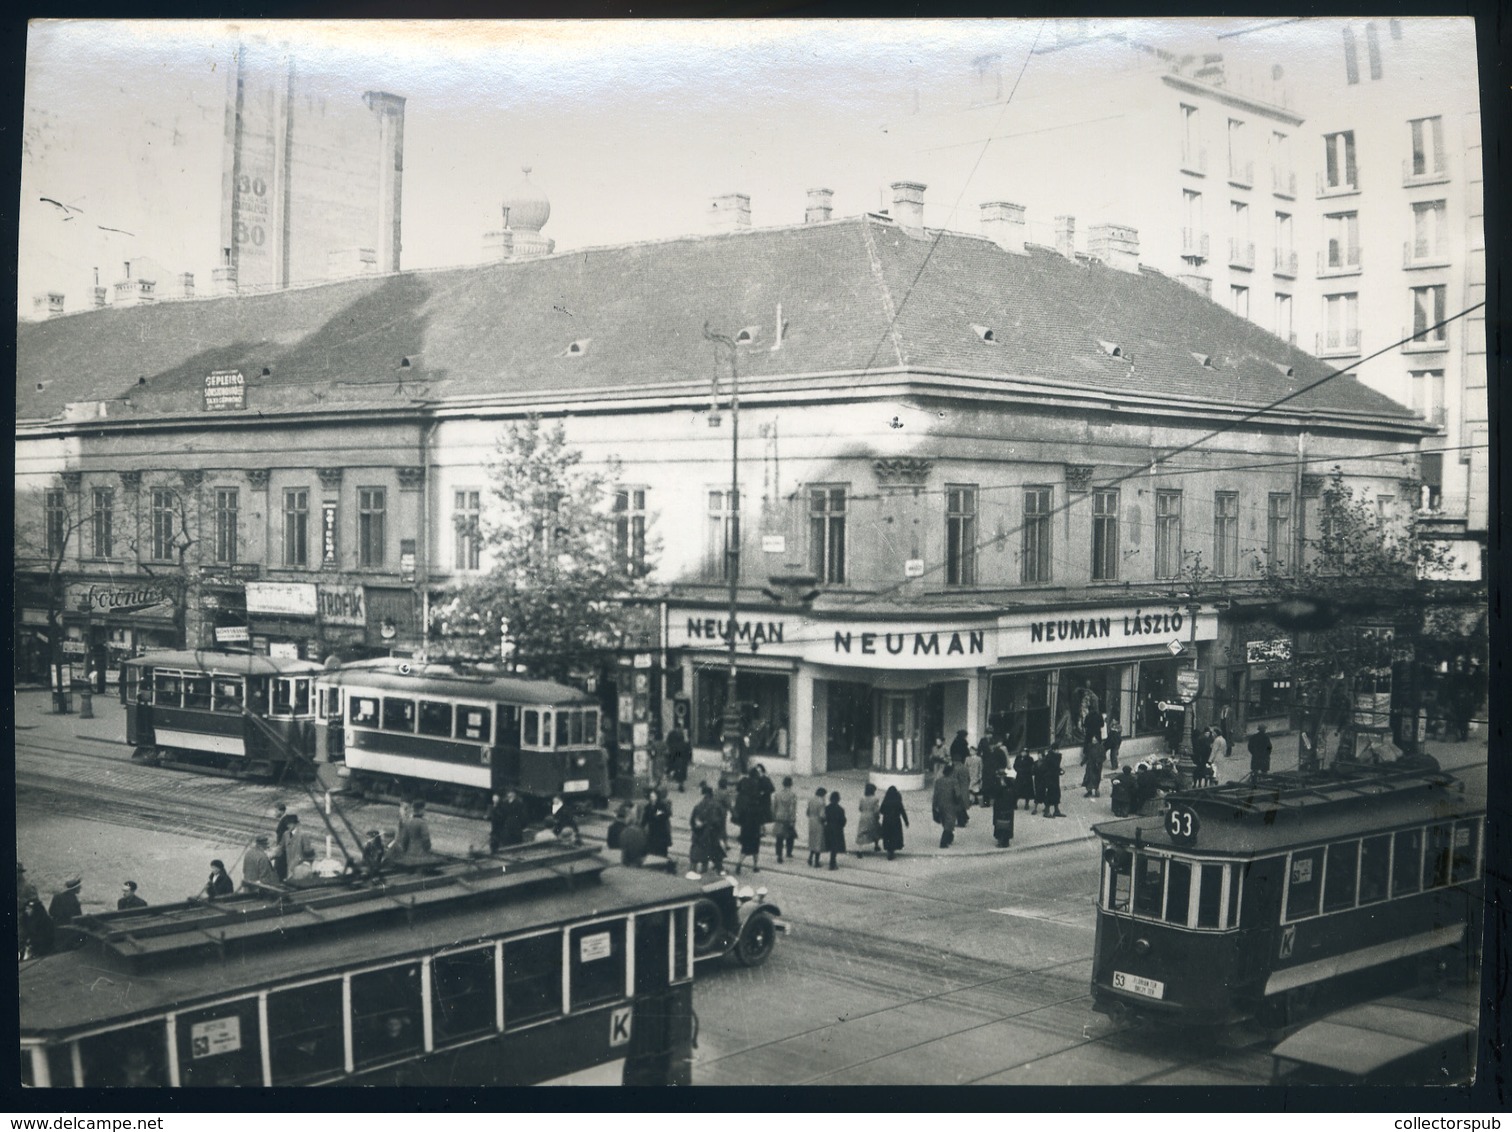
(1023, 780)
(834, 829)
(1047, 783)
(816, 827)
(656, 819)
(868, 819)
(750, 815)
(894, 818)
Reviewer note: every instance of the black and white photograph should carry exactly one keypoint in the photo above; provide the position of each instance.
(489, 493)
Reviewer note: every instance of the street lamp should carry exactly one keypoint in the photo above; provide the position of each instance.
(730, 739)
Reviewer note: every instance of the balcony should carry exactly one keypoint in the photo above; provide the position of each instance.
(1433, 172)
(1242, 254)
(1426, 341)
(1284, 184)
(1286, 263)
(1194, 245)
(1415, 255)
(1338, 343)
(1343, 188)
(1241, 174)
(1194, 163)
(1338, 261)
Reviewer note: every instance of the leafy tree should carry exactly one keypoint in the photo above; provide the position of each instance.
(556, 584)
(1355, 605)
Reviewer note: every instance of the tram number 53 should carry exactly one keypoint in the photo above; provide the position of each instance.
(1181, 824)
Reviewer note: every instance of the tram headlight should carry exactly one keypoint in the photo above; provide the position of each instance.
(1141, 947)
(581, 760)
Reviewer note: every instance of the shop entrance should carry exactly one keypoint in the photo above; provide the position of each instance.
(848, 740)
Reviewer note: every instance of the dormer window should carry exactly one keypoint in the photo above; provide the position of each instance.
(1287, 371)
(576, 349)
(404, 363)
(747, 335)
(985, 333)
(1112, 349)
(1204, 360)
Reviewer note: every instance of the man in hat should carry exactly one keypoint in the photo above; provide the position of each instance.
(256, 867)
(413, 839)
(65, 905)
(129, 897)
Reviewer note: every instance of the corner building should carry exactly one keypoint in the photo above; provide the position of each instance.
(973, 470)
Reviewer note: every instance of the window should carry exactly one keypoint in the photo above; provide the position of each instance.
(291, 696)
(827, 534)
(1240, 167)
(1119, 870)
(1340, 874)
(1210, 897)
(306, 1033)
(227, 527)
(197, 692)
(1167, 534)
(55, 508)
(465, 513)
(723, 546)
(473, 723)
(363, 710)
(228, 694)
(163, 501)
(1191, 221)
(1341, 238)
(1282, 179)
(1239, 299)
(1191, 149)
(1385, 509)
(1427, 146)
(296, 510)
(1436, 860)
(1406, 861)
(398, 714)
(1373, 46)
(1428, 314)
(370, 511)
(762, 699)
(1283, 308)
(436, 718)
(630, 530)
(532, 979)
(1463, 855)
(1339, 161)
(386, 1015)
(167, 689)
(960, 534)
(463, 1002)
(1305, 888)
(1178, 891)
(1375, 868)
(134, 1056)
(102, 523)
(1226, 533)
(597, 953)
(1430, 227)
(1105, 536)
(1278, 530)
(1036, 538)
(1149, 885)
(1341, 322)
(1351, 61)
(220, 1045)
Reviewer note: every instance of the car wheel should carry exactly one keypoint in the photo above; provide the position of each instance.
(708, 927)
(757, 941)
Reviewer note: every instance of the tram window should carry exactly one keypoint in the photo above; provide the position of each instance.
(532, 979)
(257, 695)
(1149, 885)
(363, 710)
(167, 689)
(1179, 892)
(197, 692)
(1339, 876)
(306, 1033)
(1210, 897)
(546, 730)
(575, 728)
(1462, 864)
(1406, 854)
(563, 730)
(1306, 883)
(291, 696)
(1235, 872)
(386, 1013)
(682, 965)
(302, 696)
(1120, 864)
(1375, 868)
(532, 723)
(59, 1065)
(590, 727)
(398, 715)
(1436, 860)
(598, 964)
(462, 995)
(134, 1057)
(28, 1078)
(472, 723)
(435, 718)
(220, 1045)
(509, 725)
(130, 677)
(228, 694)
(651, 943)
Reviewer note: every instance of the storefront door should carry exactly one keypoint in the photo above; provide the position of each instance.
(899, 742)
(849, 738)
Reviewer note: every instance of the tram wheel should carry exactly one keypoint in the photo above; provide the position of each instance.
(757, 941)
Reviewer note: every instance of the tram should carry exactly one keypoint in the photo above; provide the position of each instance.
(463, 732)
(1281, 896)
(253, 715)
(536, 966)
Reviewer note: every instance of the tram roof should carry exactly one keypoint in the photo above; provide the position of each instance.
(1276, 812)
(235, 663)
(385, 674)
(100, 983)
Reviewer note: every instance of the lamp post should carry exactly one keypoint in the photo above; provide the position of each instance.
(730, 739)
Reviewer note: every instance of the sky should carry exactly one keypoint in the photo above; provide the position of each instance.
(629, 127)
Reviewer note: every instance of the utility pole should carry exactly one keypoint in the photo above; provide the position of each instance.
(730, 740)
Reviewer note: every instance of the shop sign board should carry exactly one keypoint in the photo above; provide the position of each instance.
(152, 599)
(296, 599)
(73, 648)
(232, 635)
(329, 524)
(1268, 652)
(1188, 684)
(34, 617)
(283, 650)
(225, 390)
(341, 604)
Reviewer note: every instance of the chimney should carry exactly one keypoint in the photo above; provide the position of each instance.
(97, 292)
(49, 304)
(1065, 236)
(908, 204)
(341, 263)
(820, 202)
(1003, 224)
(135, 289)
(223, 278)
(1199, 283)
(498, 245)
(1117, 245)
(186, 284)
(729, 213)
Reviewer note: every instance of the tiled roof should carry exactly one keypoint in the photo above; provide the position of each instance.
(638, 311)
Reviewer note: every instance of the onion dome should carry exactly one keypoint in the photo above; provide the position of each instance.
(526, 209)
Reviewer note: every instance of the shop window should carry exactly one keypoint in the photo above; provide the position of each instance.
(296, 512)
(1035, 557)
(386, 1014)
(134, 1057)
(197, 692)
(228, 694)
(1306, 883)
(306, 1033)
(1341, 874)
(463, 996)
(762, 699)
(167, 689)
(1375, 868)
(1178, 891)
(1157, 685)
(532, 979)
(398, 714)
(1406, 862)
(1462, 859)
(1081, 691)
(1149, 885)
(1020, 708)
(435, 718)
(363, 710)
(220, 1046)
(472, 723)
(597, 954)
(827, 534)
(1210, 896)
(102, 522)
(960, 534)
